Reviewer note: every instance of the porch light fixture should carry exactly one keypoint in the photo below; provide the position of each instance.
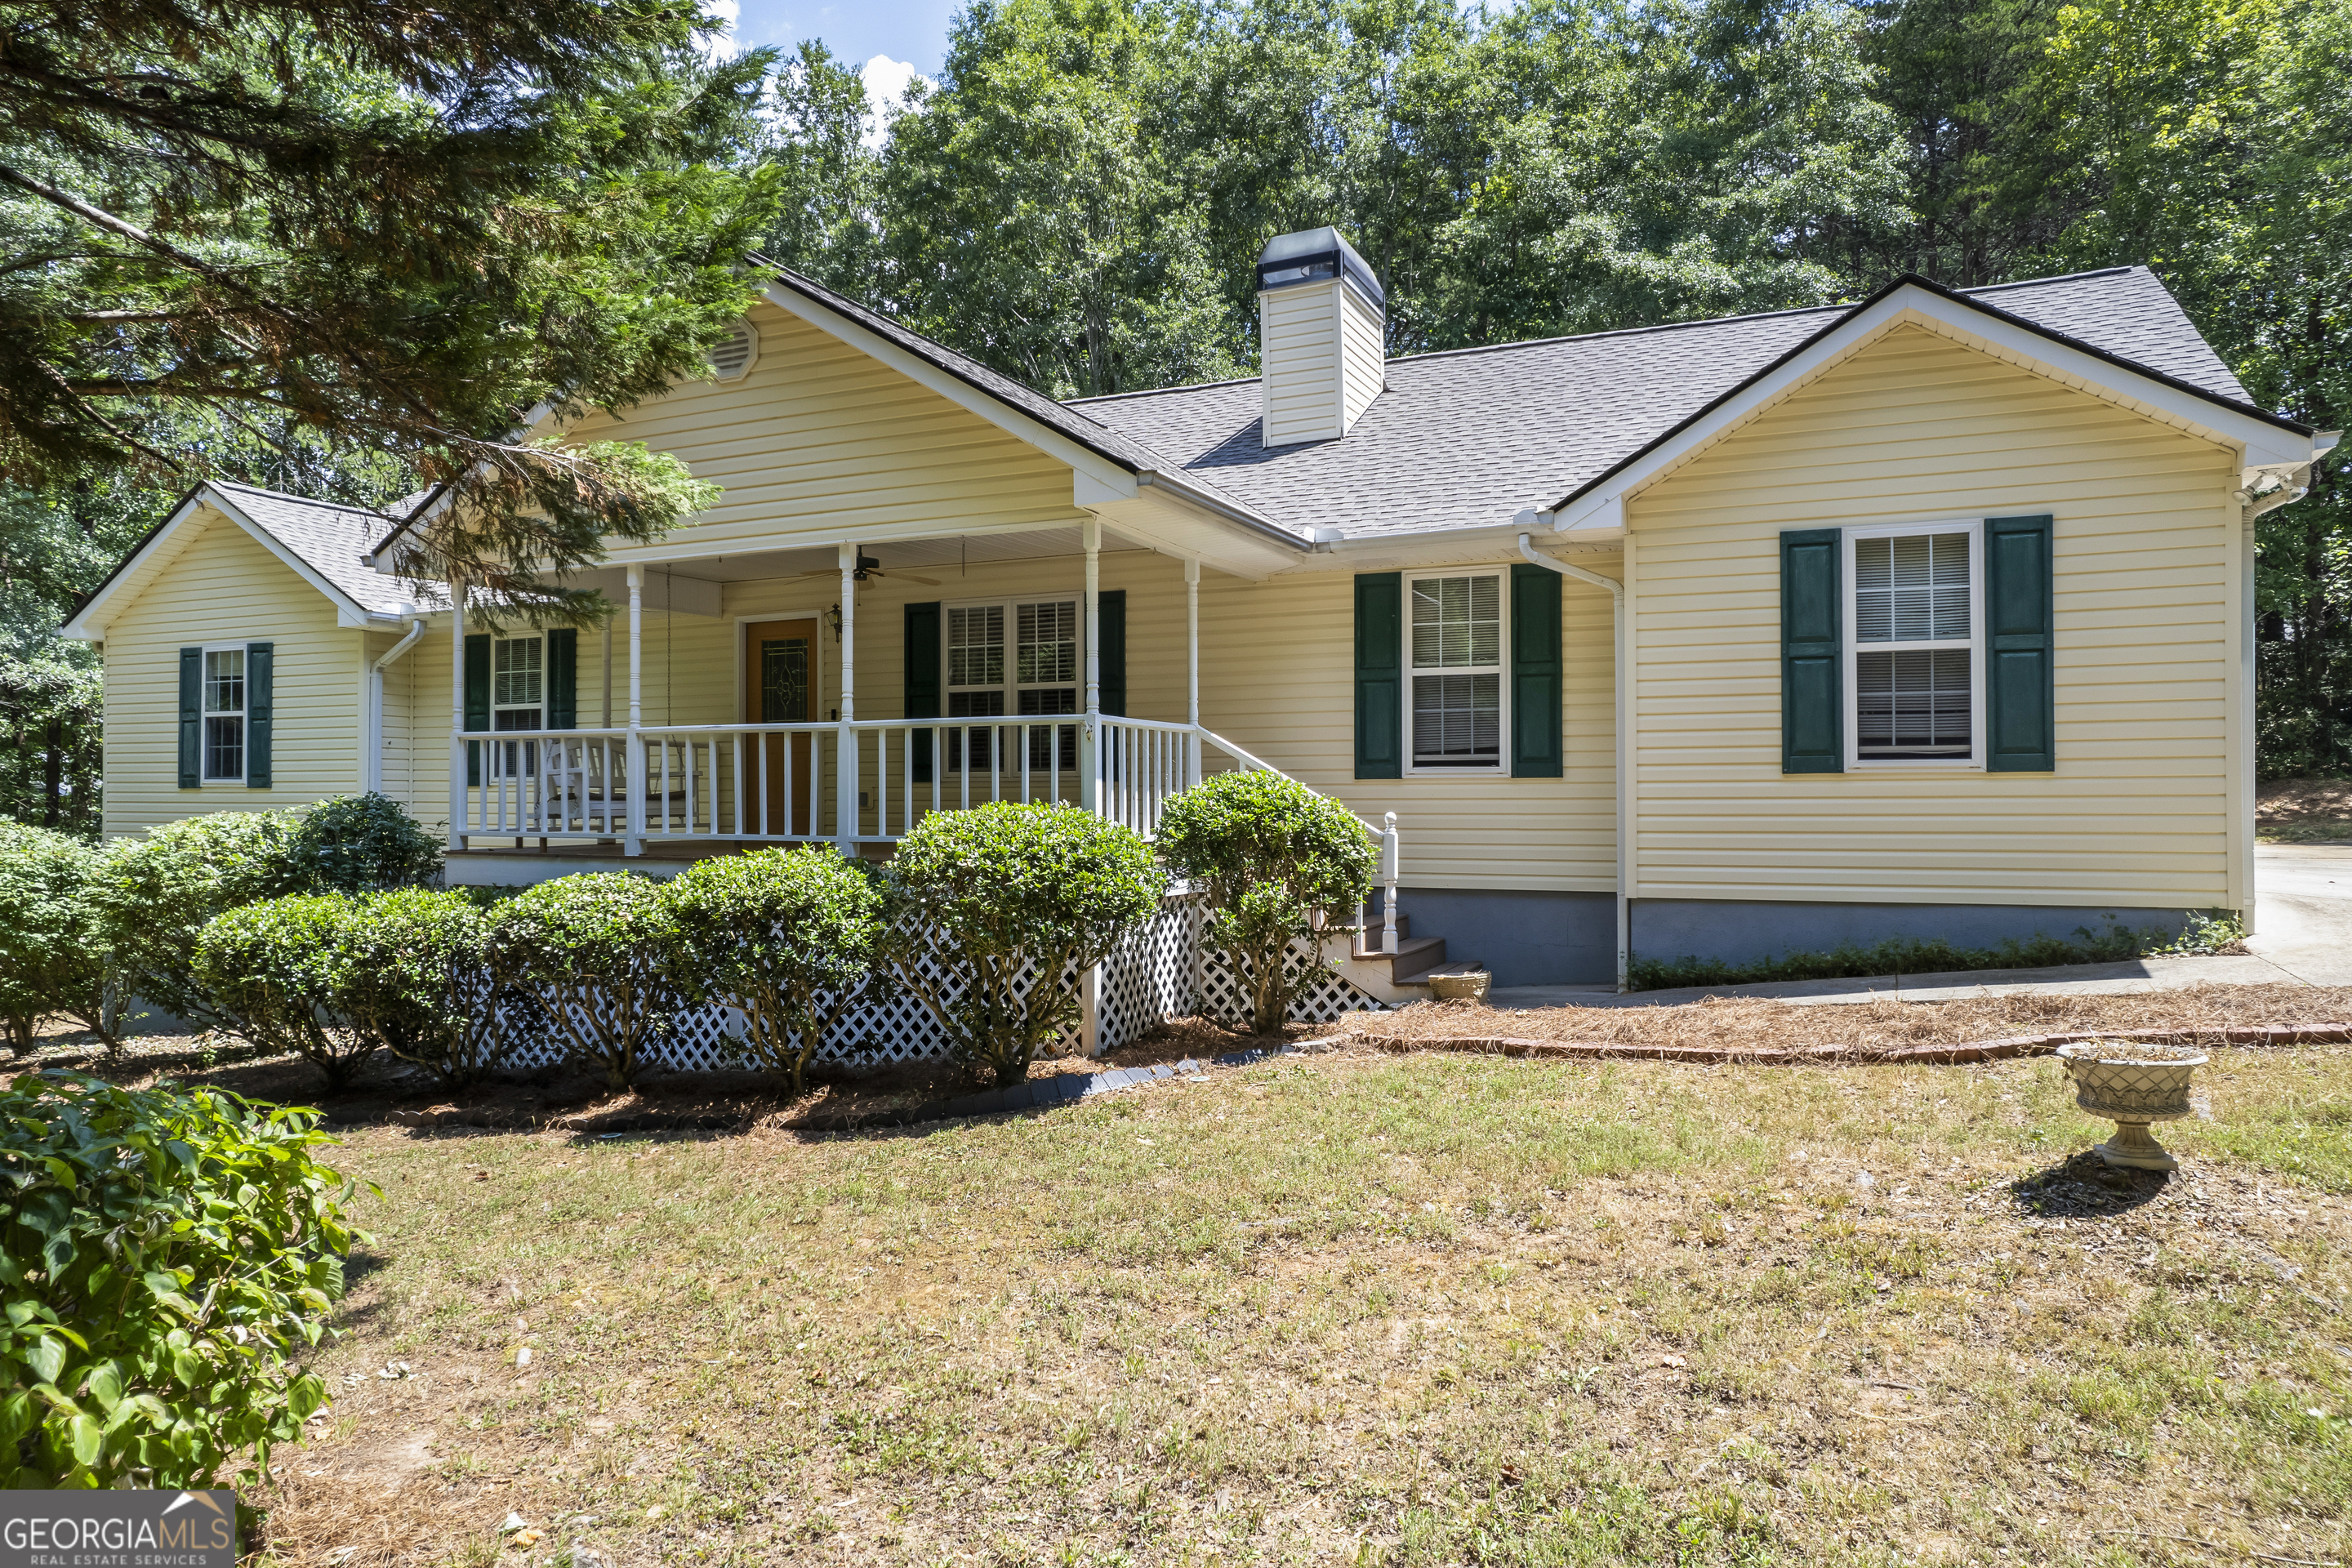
(832, 619)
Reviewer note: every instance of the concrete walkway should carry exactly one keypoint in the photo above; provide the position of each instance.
(2304, 937)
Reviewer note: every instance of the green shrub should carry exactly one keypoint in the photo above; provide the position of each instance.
(417, 983)
(153, 894)
(282, 968)
(52, 952)
(1270, 853)
(788, 936)
(1010, 892)
(359, 844)
(593, 956)
(163, 1256)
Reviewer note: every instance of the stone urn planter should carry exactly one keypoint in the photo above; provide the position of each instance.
(2132, 1085)
(1459, 985)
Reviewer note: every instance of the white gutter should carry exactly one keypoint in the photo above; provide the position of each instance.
(1623, 718)
(371, 776)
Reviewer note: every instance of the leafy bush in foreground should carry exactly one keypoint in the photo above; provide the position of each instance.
(1271, 852)
(282, 968)
(52, 952)
(164, 1255)
(417, 983)
(1006, 891)
(593, 955)
(786, 935)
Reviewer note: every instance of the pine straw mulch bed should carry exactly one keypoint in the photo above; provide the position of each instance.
(1746, 1030)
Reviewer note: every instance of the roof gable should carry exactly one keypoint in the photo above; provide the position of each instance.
(323, 543)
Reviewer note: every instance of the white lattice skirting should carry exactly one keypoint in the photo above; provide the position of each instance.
(1161, 971)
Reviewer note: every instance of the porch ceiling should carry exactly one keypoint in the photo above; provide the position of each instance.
(913, 553)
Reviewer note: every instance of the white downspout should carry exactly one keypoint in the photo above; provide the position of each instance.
(1622, 721)
(374, 779)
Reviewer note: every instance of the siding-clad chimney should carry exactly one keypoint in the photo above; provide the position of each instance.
(1322, 328)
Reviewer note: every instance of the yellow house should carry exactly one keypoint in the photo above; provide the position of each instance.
(1928, 615)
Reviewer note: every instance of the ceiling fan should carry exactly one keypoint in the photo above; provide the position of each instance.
(869, 568)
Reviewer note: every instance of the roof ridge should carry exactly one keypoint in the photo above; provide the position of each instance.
(306, 500)
(1155, 391)
(2054, 277)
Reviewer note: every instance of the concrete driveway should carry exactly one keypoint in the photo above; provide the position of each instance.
(2303, 922)
(2303, 911)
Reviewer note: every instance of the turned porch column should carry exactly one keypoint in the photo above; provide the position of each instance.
(633, 843)
(844, 745)
(1192, 669)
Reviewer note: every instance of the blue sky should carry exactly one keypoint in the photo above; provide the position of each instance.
(903, 32)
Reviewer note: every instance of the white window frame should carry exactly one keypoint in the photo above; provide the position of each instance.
(1013, 685)
(1501, 766)
(205, 777)
(496, 638)
(1974, 642)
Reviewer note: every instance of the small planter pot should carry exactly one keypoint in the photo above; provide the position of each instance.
(1460, 985)
(2132, 1085)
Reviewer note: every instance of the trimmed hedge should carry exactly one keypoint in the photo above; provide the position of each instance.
(1013, 892)
(593, 958)
(52, 950)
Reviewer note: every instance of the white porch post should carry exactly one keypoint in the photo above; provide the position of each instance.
(1193, 669)
(456, 710)
(1091, 732)
(844, 745)
(606, 722)
(634, 841)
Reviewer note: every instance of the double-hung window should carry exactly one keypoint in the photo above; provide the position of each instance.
(518, 698)
(1455, 693)
(1914, 661)
(1016, 658)
(223, 715)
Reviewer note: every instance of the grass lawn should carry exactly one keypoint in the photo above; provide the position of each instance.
(1365, 1307)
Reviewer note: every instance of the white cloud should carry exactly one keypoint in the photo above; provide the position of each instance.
(886, 81)
(723, 45)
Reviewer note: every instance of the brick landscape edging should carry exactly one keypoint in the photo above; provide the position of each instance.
(1925, 1056)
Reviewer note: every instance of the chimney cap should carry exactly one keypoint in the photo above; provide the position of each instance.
(1314, 256)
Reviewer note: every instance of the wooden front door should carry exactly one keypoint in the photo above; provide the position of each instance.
(780, 687)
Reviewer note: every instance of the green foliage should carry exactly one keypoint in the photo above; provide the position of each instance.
(788, 936)
(358, 843)
(52, 952)
(1913, 955)
(594, 956)
(50, 730)
(417, 983)
(396, 234)
(282, 969)
(1272, 854)
(164, 1256)
(153, 894)
(1014, 897)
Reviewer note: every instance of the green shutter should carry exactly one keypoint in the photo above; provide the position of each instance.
(191, 718)
(477, 698)
(260, 718)
(563, 679)
(1535, 672)
(1380, 674)
(1113, 649)
(2020, 674)
(1813, 653)
(923, 676)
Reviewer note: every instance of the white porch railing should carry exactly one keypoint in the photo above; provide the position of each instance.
(865, 782)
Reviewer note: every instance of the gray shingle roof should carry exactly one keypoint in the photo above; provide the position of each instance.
(1468, 437)
(330, 538)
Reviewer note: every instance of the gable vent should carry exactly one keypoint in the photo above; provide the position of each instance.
(732, 357)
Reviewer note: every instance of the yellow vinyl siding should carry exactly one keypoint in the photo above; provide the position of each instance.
(1917, 428)
(1299, 349)
(224, 587)
(1364, 346)
(820, 439)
